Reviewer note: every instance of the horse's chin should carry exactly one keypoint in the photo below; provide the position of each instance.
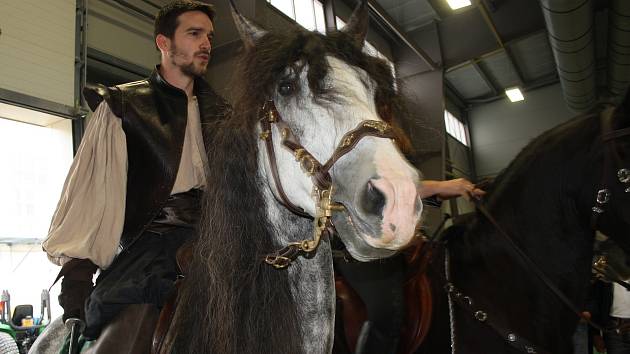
(354, 234)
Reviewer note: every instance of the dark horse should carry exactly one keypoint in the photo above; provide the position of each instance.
(544, 201)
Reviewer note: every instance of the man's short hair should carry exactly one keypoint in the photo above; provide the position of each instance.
(166, 21)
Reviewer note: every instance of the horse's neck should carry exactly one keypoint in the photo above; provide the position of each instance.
(312, 279)
(488, 270)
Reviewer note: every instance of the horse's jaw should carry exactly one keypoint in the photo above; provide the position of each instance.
(312, 279)
(379, 190)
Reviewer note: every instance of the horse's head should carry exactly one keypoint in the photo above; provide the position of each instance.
(323, 88)
(611, 210)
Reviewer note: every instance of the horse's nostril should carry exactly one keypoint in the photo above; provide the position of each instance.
(373, 200)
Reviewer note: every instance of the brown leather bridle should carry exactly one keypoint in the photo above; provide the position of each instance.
(612, 161)
(319, 174)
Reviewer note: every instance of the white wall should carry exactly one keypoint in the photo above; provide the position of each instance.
(499, 130)
(37, 48)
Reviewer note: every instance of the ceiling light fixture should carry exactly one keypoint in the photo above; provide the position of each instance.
(514, 94)
(458, 4)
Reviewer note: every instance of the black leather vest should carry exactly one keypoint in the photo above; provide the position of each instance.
(154, 116)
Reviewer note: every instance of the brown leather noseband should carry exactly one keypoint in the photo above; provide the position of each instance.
(319, 174)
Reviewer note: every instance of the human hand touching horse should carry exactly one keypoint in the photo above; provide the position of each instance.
(453, 188)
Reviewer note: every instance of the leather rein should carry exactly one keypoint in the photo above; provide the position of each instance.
(319, 173)
(603, 197)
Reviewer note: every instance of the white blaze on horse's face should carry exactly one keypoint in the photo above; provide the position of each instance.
(374, 182)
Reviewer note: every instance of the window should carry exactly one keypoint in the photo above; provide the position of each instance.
(35, 162)
(308, 13)
(35, 158)
(455, 128)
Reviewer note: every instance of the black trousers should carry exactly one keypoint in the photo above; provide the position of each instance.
(143, 274)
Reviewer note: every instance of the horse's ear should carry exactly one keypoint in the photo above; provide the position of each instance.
(248, 31)
(357, 25)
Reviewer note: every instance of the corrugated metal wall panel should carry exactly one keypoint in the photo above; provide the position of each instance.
(120, 33)
(37, 48)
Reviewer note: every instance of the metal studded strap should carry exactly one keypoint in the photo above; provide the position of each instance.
(268, 115)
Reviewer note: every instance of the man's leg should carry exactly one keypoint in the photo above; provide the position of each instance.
(617, 343)
(144, 274)
(129, 332)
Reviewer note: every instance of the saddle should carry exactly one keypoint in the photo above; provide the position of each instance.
(162, 336)
(418, 303)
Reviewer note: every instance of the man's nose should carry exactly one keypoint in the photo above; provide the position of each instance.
(206, 44)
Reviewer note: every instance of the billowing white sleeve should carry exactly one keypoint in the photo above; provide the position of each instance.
(90, 214)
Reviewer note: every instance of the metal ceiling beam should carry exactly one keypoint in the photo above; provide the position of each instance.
(486, 17)
(517, 70)
(533, 85)
(485, 78)
(458, 96)
(438, 15)
(384, 17)
(499, 50)
(475, 60)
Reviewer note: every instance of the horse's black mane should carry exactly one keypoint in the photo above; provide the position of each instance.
(231, 301)
(552, 159)
(574, 132)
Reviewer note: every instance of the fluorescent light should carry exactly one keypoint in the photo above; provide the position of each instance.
(458, 4)
(514, 94)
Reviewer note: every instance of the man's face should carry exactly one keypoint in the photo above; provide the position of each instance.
(191, 43)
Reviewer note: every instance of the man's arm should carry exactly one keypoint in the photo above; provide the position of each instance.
(89, 218)
(448, 189)
(86, 227)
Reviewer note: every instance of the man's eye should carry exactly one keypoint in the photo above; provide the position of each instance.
(286, 88)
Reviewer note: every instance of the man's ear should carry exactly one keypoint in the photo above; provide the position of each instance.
(163, 43)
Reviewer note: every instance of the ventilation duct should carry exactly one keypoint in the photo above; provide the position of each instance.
(618, 48)
(570, 27)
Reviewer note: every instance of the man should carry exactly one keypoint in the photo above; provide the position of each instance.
(610, 301)
(131, 198)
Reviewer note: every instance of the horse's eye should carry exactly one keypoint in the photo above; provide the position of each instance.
(285, 88)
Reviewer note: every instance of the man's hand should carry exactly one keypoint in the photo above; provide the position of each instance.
(598, 343)
(76, 287)
(72, 298)
(452, 188)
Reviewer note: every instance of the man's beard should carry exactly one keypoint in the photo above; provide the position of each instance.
(188, 69)
(193, 71)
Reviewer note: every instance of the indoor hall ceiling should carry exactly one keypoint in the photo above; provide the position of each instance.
(487, 47)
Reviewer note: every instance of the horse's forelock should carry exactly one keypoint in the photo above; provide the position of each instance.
(261, 68)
